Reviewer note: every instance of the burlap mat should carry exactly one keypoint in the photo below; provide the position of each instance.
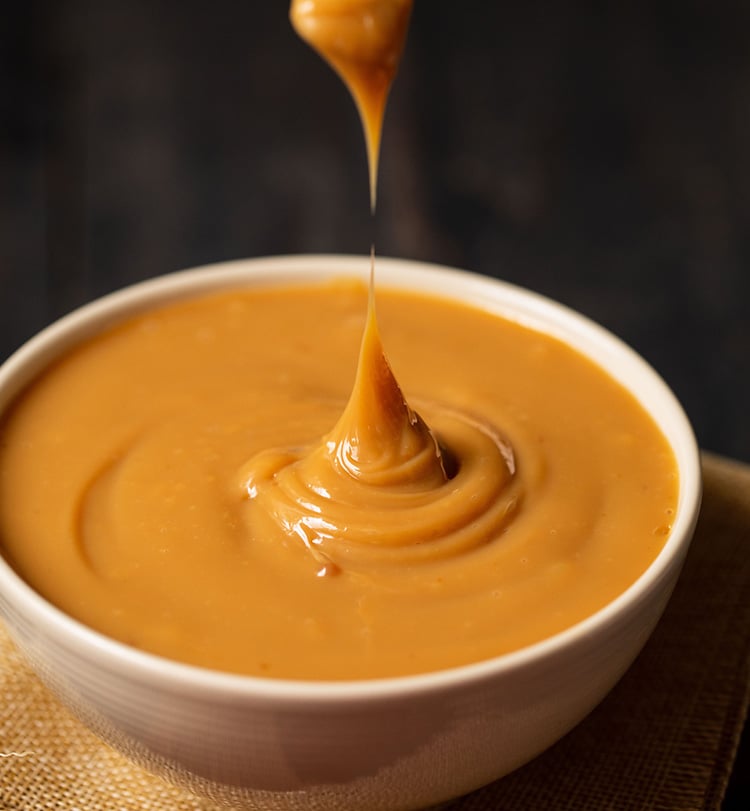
(664, 739)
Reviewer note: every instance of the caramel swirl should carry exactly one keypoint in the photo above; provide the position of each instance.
(402, 524)
(379, 487)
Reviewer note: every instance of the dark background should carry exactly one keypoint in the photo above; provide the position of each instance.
(595, 152)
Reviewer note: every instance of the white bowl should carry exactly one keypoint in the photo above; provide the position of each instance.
(394, 743)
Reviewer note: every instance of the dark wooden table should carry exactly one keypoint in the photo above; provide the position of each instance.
(597, 153)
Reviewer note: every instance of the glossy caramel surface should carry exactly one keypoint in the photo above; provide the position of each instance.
(134, 493)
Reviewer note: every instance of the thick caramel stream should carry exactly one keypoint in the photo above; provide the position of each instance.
(379, 439)
(380, 449)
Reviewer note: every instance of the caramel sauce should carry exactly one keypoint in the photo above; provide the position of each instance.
(206, 483)
(124, 473)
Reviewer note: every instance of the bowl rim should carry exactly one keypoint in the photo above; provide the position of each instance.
(524, 306)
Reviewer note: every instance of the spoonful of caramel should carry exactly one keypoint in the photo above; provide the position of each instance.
(362, 40)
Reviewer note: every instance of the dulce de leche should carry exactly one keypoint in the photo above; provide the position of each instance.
(243, 481)
(208, 482)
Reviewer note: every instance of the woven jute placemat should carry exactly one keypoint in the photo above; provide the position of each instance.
(664, 739)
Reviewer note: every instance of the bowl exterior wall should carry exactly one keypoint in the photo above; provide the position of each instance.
(378, 753)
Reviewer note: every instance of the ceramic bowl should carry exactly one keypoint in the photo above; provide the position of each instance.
(394, 743)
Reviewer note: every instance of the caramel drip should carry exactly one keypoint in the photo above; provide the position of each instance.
(362, 40)
(379, 438)
(377, 488)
